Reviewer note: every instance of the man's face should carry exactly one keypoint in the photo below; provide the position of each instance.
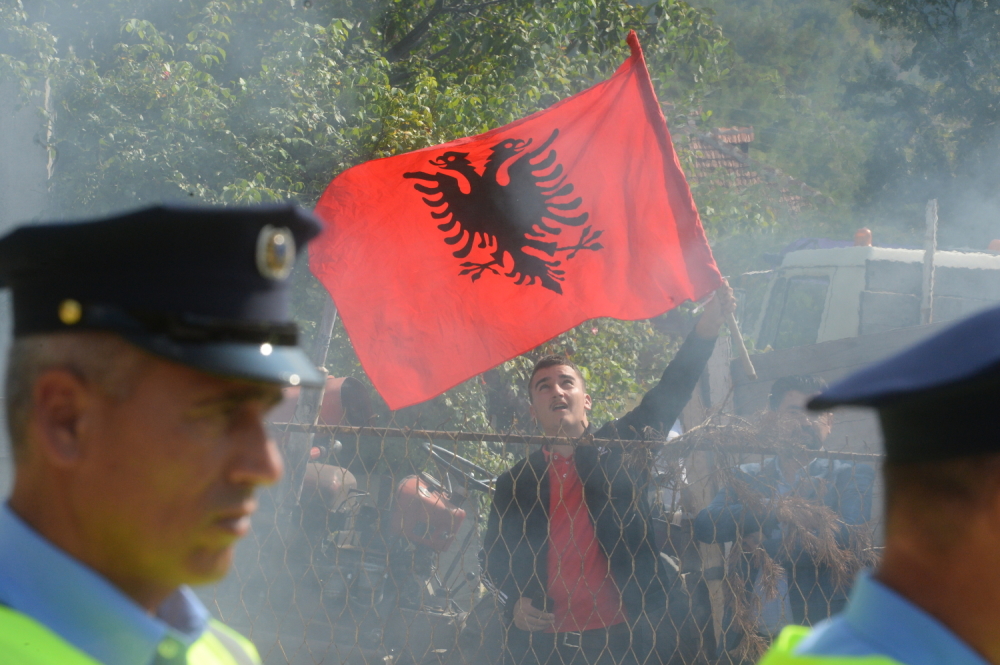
(166, 484)
(559, 401)
(815, 425)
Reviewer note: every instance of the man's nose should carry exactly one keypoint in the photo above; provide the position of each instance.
(257, 460)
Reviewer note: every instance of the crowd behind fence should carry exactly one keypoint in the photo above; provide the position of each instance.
(370, 549)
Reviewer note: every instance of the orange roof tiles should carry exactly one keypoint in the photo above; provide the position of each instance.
(714, 167)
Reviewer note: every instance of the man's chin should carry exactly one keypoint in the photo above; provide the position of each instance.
(564, 426)
(208, 565)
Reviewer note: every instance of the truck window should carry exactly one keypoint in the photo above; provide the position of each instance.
(801, 312)
(775, 302)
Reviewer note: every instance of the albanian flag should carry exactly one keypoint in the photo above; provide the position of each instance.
(447, 261)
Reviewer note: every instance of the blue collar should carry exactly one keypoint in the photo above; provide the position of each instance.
(43, 582)
(901, 630)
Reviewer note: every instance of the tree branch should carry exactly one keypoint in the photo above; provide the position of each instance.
(405, 46)
(412, 39)
(467, 9)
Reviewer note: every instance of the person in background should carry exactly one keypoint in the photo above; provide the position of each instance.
(807, 591)
(147, 349)
(569, 543)
(934, 598)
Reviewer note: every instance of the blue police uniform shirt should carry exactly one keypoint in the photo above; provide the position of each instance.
(43, 582)
(880, 621)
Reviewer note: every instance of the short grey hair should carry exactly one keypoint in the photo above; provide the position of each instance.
(99, 358)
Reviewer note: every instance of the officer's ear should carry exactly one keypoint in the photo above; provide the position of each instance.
(991, 468)
(60, 400)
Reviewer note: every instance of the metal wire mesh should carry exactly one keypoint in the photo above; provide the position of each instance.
(370, 549)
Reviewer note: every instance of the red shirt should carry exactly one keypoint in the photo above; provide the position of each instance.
(580, 584)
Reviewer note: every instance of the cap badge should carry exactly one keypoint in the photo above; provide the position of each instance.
(275, 252)
(70, 312)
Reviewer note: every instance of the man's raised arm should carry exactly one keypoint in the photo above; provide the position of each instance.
(661, 406)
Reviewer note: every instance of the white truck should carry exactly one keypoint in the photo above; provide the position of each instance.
(829, 311)
(820, 295)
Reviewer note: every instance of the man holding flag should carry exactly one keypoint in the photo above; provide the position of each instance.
(479, 250)
(446, 261)
(569, 543)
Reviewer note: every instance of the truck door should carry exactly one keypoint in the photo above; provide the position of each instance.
(794, 311)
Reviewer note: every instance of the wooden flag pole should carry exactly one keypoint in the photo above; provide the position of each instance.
(309, 402)
(741, 348)
(930, 246)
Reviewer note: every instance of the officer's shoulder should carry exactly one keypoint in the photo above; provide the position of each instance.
(25, 641)
(224, 642)
(834, 638)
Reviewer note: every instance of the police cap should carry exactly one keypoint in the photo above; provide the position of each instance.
(203, 286)
(937, 400)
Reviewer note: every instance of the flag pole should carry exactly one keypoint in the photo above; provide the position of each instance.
(741, 348)
(309, 403)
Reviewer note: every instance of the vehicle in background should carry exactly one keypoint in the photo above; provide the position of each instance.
(827, 309)
(831, 310)
(820, 295)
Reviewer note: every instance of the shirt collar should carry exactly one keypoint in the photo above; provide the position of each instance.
(40, 580)
(556, 457)
(901, 630)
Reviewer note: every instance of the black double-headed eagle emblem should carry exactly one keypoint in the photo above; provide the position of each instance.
(517, 220)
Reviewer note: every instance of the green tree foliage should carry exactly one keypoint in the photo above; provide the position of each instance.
(256, 100)
(245, 101)
(786, 80)
(932, 91)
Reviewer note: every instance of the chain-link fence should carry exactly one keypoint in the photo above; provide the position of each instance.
(379, 545)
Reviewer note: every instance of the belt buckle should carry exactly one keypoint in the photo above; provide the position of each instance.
(573, 640)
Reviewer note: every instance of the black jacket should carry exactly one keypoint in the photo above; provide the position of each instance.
(516, 540)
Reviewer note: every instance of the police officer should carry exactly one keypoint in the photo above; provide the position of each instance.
(147, 349)
(935, 596)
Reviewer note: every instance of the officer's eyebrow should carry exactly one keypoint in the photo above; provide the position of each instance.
(267, 393)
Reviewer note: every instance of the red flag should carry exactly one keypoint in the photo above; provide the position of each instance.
(447, 261)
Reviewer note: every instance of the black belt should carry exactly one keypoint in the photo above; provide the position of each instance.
(591, 639)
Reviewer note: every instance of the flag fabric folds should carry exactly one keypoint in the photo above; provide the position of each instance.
(447, 261)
